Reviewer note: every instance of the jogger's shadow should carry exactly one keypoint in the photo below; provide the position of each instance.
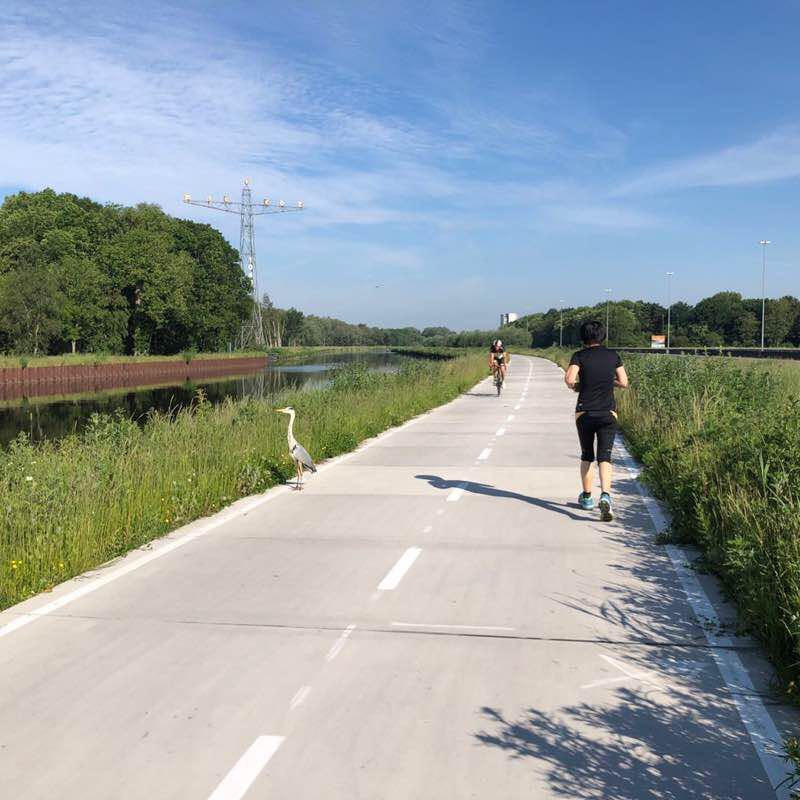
(491, 491)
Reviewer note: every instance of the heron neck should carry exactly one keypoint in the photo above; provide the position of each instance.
(292, 440)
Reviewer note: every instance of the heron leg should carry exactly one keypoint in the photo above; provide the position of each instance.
(299, 477)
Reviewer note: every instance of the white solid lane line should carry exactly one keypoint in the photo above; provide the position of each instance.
(510, 418)
(501, 432)
(247, 768)
(396, 573)
(337, 646)
(485, 453)
(518, 406)
(427, 529)
(300, 696)
(451, 627)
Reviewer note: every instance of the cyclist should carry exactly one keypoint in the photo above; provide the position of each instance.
(498, 358)
(594, 372)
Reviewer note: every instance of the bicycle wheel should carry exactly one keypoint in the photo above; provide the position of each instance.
(498, 382)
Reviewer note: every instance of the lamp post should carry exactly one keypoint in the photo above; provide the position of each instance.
(669, 304)
(560, 323)
(608, 302)
(763, 243)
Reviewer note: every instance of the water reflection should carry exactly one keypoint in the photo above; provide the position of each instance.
(45, 418)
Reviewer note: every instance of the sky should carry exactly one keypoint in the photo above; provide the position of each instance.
(456, 159)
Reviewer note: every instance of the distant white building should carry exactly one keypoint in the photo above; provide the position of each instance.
(511, 316)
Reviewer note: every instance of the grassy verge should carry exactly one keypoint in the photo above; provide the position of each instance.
(291, 355)
(720, 441)
(68, 506)
(69, 359)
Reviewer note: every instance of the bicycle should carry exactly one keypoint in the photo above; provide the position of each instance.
(498, 380)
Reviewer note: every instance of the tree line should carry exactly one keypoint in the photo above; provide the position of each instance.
(289, 327)
(725, 318)
(79, 276)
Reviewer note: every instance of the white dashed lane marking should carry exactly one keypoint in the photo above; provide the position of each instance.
(300, 696)
(337, 646)
(396, 573)
(236, 783)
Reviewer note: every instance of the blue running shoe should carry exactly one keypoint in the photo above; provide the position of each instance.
(606, 514)
(585, 501)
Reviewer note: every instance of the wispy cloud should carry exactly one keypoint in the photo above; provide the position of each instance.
(383, 126)
(774, 157)
(602, 216)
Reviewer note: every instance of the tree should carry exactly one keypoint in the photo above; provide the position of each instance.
(746, 329)
(30, 309)
(131, 278)
(720, 313)
(154, 283)
(779, 321)
(219, 292)
(293, 329)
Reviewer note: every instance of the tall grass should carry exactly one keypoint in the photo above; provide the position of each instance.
(721, 445)
(70, 505)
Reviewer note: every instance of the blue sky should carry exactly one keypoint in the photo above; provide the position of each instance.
(466, 157)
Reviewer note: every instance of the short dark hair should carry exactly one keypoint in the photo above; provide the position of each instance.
(592, 332)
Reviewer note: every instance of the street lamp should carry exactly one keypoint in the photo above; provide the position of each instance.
(560, 323)
(669, 305)
(608, 302)
(763, 243)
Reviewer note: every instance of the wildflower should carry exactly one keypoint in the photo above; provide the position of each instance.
(29, 477)
(61, 565)
(13, 564)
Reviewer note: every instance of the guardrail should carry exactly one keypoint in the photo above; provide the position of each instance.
(732, 352)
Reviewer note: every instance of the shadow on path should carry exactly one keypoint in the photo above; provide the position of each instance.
(637, 747)
(491, 491)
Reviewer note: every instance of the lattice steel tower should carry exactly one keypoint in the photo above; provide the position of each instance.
(252, 333)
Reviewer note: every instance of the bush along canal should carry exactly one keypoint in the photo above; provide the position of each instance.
(70, 504)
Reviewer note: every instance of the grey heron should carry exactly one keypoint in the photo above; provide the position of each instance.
(302, 460)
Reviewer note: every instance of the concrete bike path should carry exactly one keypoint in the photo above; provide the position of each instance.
(433, 617)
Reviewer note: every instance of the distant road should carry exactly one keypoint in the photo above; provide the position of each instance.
(432, 618)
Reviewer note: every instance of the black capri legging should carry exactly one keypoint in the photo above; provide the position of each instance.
(603, 425)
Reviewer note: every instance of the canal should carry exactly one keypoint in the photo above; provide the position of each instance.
(52, 418)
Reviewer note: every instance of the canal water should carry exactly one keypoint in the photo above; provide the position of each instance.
(44, 418)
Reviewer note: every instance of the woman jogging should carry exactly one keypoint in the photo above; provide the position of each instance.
(594, 372)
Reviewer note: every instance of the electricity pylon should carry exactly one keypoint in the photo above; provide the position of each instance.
(253, 331)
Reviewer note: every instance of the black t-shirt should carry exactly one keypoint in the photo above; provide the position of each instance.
(598, 366)
(499, 353)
